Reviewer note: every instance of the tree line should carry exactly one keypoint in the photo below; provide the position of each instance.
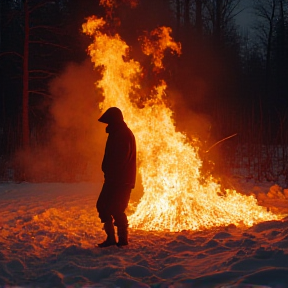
(238, 78)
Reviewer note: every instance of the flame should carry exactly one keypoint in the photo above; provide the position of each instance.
(113, 3)
(157, 42)
(173, 199)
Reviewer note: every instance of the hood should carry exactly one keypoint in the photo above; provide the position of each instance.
(111, 115)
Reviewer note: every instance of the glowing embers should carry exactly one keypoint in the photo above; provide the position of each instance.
(174, 199)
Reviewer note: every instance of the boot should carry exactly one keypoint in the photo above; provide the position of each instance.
(122, 232)
(110, 240)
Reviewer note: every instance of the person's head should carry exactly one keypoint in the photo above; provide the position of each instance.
(111, 115)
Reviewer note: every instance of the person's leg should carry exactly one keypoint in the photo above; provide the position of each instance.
(118, 212)
(110, 232)
(103, 206)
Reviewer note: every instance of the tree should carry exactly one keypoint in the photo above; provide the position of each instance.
(265, 11)
(199, 18)
(25, 95)
(37, 41)
(280, 53)
(220, 18)
(11, 56)
(271, 30)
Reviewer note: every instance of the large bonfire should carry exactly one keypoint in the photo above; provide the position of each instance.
(174, 198)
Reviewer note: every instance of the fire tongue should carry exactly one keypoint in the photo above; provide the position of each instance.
(169, 165)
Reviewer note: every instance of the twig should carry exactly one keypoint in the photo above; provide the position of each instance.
(220, 142)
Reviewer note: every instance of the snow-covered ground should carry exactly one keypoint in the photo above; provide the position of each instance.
(49, 231)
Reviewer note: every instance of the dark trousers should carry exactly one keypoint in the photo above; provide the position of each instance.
(112, 203)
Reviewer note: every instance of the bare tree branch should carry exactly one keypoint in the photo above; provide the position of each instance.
(48, 43)
(39, 5)
(12, 52)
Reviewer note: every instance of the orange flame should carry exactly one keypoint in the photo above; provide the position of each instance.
(174, 199)
(113, 3)
(157, 42)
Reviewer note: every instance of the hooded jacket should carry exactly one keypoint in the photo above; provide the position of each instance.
(119, 162)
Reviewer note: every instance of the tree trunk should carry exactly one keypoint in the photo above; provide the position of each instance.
(187, 14)
(0, 26)
(281, 59)
(199, 20)
(178, 17)
(25, 97)
(218, 21)
(269, 44)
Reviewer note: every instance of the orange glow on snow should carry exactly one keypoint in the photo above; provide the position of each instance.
(169, 164)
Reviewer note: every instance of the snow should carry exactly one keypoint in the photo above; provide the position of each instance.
(49, 233)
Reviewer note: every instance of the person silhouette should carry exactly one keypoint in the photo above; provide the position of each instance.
(119, 168)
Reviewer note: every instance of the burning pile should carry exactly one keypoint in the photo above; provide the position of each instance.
(174, 199)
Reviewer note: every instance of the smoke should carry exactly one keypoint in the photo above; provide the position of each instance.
(196, 124)
(188, 120)
(75, 141)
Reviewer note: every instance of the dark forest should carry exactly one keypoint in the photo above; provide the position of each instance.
(228, 81)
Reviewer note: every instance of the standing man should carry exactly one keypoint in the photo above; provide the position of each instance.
(119, 168)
